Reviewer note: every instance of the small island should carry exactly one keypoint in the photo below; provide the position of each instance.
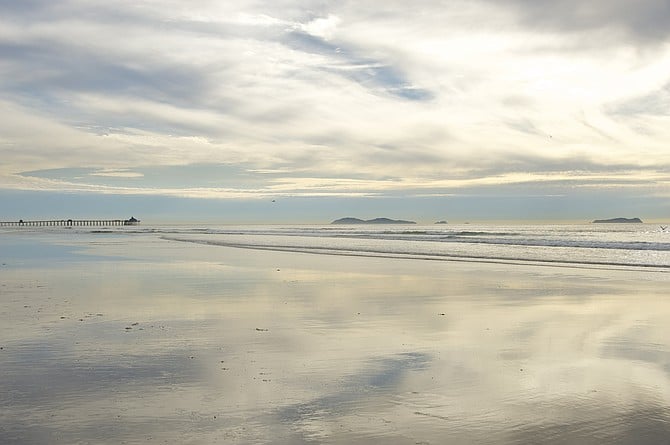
(350, 220)
(618, 220)
(441, 222)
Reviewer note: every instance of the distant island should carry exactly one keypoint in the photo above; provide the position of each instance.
(441, 222)
(618, 220)
(349, 220)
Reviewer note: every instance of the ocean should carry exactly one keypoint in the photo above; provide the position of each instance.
(588, 245)
(597, 245)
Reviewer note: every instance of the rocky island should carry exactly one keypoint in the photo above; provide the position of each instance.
(350, 220)
(618, 220)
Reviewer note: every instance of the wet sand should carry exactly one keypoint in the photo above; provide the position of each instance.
(117, 339)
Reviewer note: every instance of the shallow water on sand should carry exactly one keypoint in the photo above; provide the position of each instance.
(112, 339)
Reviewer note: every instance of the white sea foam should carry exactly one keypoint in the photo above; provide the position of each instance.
(579, 245)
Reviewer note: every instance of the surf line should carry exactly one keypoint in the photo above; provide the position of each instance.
(334, 251)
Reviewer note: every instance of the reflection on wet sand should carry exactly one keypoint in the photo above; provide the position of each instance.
(161, 342)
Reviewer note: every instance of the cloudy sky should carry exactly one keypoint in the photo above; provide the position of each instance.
(424, 110)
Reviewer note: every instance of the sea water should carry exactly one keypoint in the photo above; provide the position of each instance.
(594, 245)
(616, 245)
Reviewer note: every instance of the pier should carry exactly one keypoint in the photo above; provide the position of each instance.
(71, 223)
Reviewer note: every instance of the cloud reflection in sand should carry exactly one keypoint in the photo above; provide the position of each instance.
(196, 344)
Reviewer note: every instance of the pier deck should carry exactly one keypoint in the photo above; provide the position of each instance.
(70, 223)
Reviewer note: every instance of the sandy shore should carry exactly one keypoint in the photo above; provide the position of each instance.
(115, 339)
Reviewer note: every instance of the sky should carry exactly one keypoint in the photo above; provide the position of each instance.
(311, 110)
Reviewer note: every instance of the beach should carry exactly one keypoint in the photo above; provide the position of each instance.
(130, 337)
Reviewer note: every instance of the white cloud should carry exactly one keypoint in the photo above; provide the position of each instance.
(433, 95)
(117, 173)
(324, 27)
